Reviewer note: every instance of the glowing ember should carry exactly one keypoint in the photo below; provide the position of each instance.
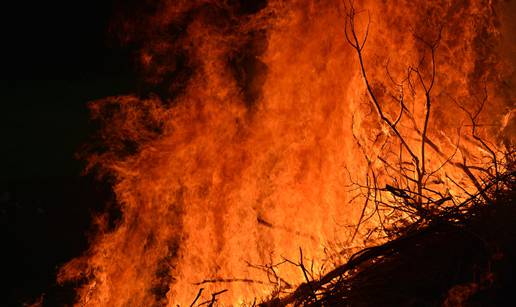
(250, 156)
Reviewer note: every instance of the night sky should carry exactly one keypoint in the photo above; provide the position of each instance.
(55, 57)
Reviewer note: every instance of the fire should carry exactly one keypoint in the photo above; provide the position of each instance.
(247, 156)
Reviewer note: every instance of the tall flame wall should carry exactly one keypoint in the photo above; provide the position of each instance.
(242, 157)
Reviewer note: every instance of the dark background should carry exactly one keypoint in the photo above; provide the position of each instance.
(55, 57)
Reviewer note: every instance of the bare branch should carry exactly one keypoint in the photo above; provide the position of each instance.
(197, 297)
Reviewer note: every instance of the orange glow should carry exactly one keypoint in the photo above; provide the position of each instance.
(224, 175)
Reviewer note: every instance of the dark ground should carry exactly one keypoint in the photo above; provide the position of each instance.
(55, 57)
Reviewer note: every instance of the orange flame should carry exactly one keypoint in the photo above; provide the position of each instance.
(246, 162)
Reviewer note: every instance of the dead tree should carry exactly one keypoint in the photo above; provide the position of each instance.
(411, 192)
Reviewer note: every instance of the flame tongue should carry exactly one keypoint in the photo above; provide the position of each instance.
(247, 163)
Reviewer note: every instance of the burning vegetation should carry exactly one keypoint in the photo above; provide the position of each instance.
(305, 153)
